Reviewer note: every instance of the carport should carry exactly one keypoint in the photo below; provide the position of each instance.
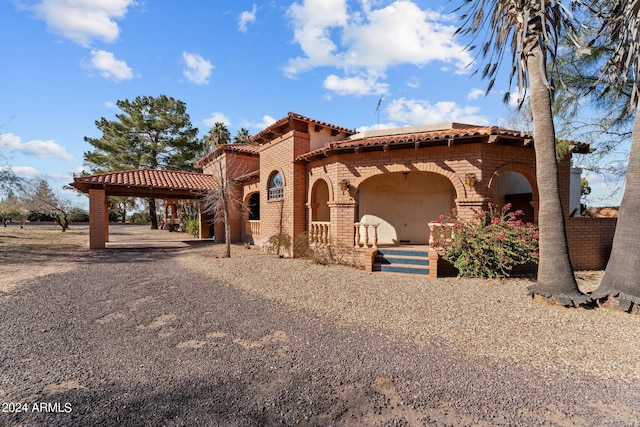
(145, 183)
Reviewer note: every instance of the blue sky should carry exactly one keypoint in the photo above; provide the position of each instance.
(66, 63)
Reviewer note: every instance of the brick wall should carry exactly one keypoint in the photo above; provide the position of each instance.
(590, 241)
(278, 155)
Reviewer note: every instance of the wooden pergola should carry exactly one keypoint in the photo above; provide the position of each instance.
(145, 183)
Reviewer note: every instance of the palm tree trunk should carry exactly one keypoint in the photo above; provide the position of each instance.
(621, 275)
(556, 282)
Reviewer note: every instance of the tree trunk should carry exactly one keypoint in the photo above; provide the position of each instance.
(621, 275)
(227, 224)
(152, 214)
(556, 281)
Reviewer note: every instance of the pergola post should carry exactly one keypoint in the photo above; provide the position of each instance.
(98, 218)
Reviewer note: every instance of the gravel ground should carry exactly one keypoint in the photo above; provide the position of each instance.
(178, 337)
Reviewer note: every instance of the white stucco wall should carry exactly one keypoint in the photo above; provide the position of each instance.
(404, 203)
(509, 183)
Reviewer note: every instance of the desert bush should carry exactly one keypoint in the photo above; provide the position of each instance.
(140, 218)
(490, 244)
(322, 255)
(277, 243)
(193, 227)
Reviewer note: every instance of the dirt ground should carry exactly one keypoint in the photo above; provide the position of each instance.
(168, 334)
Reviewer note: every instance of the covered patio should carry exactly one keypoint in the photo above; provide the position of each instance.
(144, 183)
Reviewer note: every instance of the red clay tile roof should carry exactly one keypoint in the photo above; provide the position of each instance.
(249, 176)
(149, 178)
(294, 116)
(412, 138)
(233, 148)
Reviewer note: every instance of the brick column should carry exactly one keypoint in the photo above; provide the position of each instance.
(106, 219)
(465, 207)
(98, 219)
(343, 216)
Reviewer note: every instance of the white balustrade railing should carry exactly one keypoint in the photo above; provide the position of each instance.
(368, 237)
(254, 225)
(436, 232)
(319, 233)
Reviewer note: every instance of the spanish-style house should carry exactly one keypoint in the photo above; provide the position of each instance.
(365, 191)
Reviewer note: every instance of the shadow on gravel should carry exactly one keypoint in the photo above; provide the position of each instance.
(128, 255)
(211, 401)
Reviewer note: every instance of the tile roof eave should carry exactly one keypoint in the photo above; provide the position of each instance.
(294, 116)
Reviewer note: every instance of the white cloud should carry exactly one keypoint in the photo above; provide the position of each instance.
(217, 118)
(108, 66)
(413, 82)
(110, 105)
(379, 126)
(26, 172)
(197, 69)
(246, 18)
(83, 20)
(355, 85)
(38, 147)
(420, 112)
(265, 123)
(475, 94)
(371, 40)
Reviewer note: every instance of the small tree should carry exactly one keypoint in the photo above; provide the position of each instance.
(40, 199)
(11, 209)
(123, 204)
(282, 239)
(223, 200)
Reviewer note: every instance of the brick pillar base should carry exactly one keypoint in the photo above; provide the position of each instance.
(343, 216)
(98, 219)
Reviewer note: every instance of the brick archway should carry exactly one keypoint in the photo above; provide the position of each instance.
(523, 169)
(458, 185)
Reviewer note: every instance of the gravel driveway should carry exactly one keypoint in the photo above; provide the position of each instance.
(131, 337)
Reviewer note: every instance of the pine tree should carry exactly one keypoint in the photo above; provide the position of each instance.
(149, 132)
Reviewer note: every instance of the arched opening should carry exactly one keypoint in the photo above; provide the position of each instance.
(253, 205)
(403, 204)
(320, 201)
(514, 188)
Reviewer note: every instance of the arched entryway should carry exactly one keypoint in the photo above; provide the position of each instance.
(319, 229)
(403, 204)
(252, 217)
(514, 188)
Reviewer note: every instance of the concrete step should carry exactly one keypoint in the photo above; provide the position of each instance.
(404, 269)
(402, 259)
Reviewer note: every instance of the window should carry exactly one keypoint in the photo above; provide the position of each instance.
(276, 188)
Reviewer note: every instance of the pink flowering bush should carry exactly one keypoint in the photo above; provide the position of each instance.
(489, 245)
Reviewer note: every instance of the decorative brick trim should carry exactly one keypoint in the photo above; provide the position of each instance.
(458, 185)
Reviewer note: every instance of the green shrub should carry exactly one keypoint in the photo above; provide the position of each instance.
(489, 245)
(189, 219)
(277, 242)
(193, 227)
(140, 218)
